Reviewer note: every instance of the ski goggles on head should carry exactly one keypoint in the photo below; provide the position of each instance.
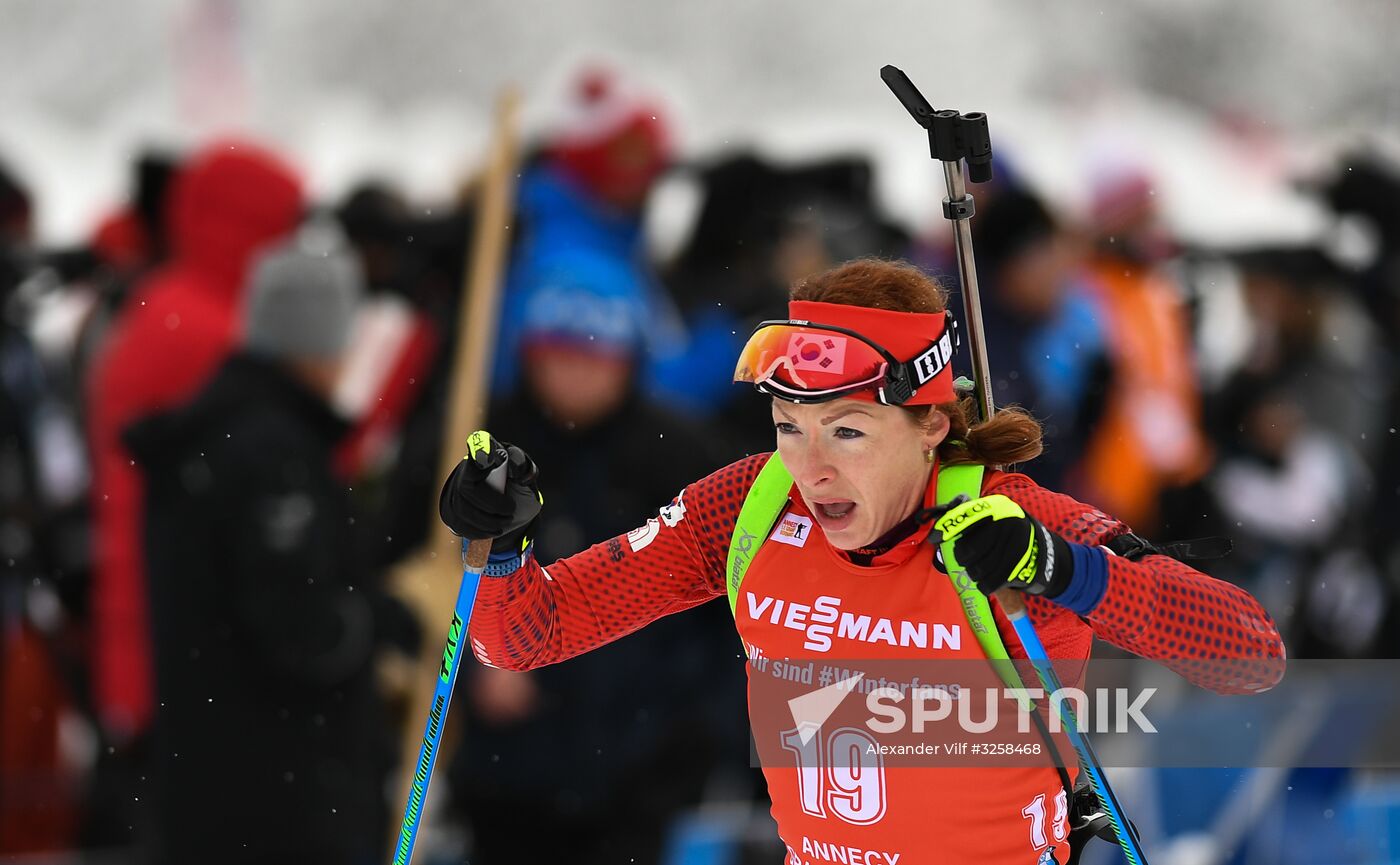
(806, 361)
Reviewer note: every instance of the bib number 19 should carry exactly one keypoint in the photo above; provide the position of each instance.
(840, 774)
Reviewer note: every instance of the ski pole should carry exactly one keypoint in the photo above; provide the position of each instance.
(474, 556)
(954, 137)
(1015, 609)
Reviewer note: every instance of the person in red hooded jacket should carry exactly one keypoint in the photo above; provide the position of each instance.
(230, 200)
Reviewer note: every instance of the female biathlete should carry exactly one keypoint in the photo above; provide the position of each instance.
(867, 420)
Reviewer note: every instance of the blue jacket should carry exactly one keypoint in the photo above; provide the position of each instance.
(571, 241)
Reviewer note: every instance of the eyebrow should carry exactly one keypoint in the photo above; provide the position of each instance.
(843, 412)
(829, 418)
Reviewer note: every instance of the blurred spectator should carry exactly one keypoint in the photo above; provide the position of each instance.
(762, 227)
(1366, 187)
(269, 744)
(1046, 341)
(1149, 438)
(178, 325)
(399, 332)
(1311, 338)
(39, 803)
(1297, 424)
(588, 761)
(1292, 494)
(415, 254)
(126, 246)
(376, 222)
(136, 236)
(584, 193)
(415, 264)
(16, 228)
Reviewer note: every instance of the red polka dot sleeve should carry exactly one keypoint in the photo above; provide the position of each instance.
(1212, 633)
(540, 615)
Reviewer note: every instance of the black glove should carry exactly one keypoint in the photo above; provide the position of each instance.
(1000, 545)
(474, 508)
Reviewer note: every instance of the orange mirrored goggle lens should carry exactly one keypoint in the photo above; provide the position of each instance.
(808, 361)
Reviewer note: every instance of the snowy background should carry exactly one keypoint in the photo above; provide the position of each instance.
(1223, 98)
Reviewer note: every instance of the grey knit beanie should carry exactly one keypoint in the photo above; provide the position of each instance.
(303, 295)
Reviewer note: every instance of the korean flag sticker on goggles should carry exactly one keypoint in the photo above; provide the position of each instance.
(827, 351)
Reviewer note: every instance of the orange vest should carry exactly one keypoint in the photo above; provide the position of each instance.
(802, 609)
(1149, 436)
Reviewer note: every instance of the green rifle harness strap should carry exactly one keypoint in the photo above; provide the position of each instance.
(767, 499)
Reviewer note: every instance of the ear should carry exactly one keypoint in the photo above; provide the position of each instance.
(937, 429)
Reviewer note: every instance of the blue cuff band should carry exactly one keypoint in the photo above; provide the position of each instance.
(1090, 581)
(504, 564)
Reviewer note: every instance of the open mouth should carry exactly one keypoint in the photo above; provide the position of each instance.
(834, 515)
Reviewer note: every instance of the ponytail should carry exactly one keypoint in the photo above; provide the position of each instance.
(1011, 436)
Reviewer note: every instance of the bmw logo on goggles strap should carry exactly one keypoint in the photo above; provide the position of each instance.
(806, 361)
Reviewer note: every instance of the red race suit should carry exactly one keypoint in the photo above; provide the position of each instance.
(897, 607)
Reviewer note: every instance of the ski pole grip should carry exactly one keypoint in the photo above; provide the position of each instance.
(480, 549)
(482, 448)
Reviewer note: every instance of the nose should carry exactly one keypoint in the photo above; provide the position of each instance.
(810, 465)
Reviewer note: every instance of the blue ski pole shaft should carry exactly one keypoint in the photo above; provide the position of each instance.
(1015, 610)
(474, 562)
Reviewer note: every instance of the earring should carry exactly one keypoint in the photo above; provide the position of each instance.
(929, 456)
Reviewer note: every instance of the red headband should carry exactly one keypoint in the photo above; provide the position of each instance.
(906, 335)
